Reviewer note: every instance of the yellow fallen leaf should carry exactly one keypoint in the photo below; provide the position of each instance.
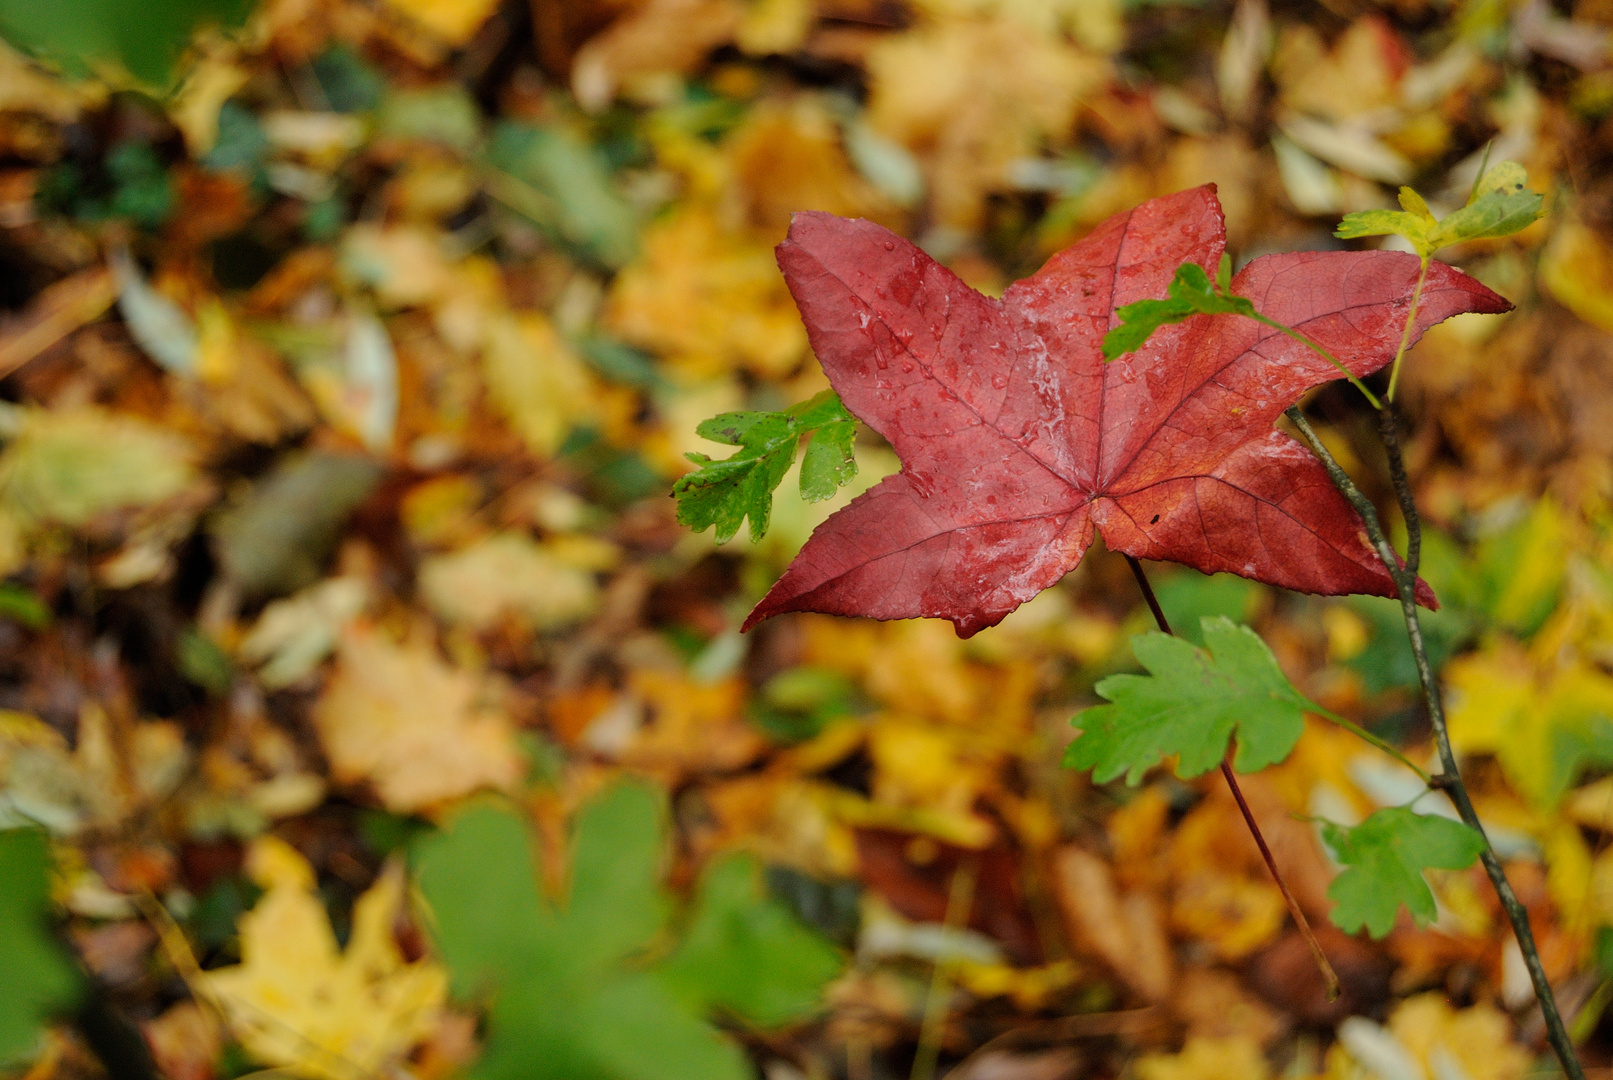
(1577, 268)
(417, 729)
(297, 1002)
(69, 465)
(536, 380)
(208, 85)
(1357, 75)
(917, 765)
(661, 39)
(709, 299)
(1208, 1059)
(1477, 1039)
(787, 157)
(404, 264)
(454, 21)
(1543, 724)
(507, 573)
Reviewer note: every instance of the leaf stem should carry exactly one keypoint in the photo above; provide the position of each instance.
(1328, 974)
(1366, 736)
(1405, 332)
(1324, 354)
(1449, 779)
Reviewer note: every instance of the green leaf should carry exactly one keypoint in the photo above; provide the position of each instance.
(724, 493)
(746, 953)
(581, 989)
(39, 979)
(1500, 205)
(1413, 227)
(1384, 859)
(1413, 203)
(616, 905)
(82, 36)
(1387, 660)
(23, 605)
(1190, 704)
(564, 185)
(1189, 293)
(828, 462)
(1187, 596)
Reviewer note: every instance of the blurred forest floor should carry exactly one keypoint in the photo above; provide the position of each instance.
(368, 714)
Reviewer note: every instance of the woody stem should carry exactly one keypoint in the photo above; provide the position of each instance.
(1328, 974)
(1449, 779)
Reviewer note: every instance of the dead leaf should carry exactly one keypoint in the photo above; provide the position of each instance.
(299, 1003)
(507, 574)
(421, 732)
(971, 96)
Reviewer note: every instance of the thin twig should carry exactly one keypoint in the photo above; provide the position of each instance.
(1328, 974)
(1450, 779)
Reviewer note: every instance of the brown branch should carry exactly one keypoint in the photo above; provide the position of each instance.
(1328, 974)
(1450, 779)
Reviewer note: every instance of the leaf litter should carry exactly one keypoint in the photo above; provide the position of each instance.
(350, 358)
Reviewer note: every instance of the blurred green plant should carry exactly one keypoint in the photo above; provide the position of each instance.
(37, 980)
(565, 981)
(85, 37)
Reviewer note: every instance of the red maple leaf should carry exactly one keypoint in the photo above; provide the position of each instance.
(1017, 441)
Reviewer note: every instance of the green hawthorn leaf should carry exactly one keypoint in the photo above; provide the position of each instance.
(1189, 293)
(1501, 205)
(1413, 203)
(828, 462)
(1384, 859)
(724, 493)
(1138, 322)
(820, 409)
(1414, 227)
(581, 987)
(39, 979)
(1190, 704)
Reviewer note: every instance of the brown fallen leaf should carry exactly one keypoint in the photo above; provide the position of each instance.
(1126, 930)
(664, 37)
(419, 731)
(54, 313)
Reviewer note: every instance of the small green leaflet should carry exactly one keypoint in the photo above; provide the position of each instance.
(1384, 858)
(1189, 704)
(39, 978)
(1500, 205)
(1189, 293)
(724, 493)
(607, 984)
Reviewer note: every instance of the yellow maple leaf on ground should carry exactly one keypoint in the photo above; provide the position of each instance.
(299, 1003)
(416, 728)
